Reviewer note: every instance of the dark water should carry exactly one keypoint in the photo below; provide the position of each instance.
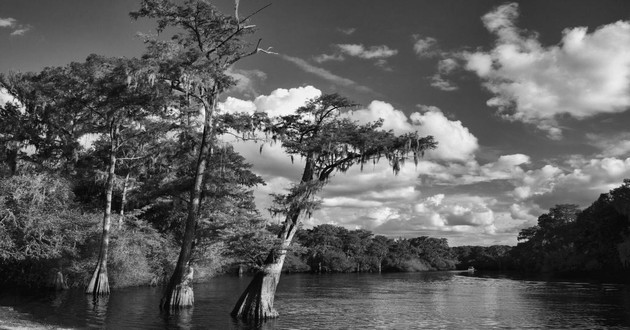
(441, 300)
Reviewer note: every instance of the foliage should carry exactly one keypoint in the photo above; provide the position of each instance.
(569, 240)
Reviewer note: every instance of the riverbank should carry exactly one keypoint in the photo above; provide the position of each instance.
(11, 319)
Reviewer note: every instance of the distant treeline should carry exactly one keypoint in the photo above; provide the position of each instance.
(329, 248)
(566, 240)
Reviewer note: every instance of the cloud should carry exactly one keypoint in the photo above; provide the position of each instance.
(455, 142)
(246, 80)
(580, 182)
(8, 22)
(445, 67)
(347, 31)
(585, 74)
(325, 74)
(373, 52)
(425, 47)
(285, 101)
(21, 31)
(611, 145)
(329, 57)
(448, 194)
(11, 23)
(378, 54)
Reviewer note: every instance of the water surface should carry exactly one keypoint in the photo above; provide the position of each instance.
(430, 300)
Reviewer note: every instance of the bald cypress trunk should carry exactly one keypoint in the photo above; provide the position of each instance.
(256, 303)
(179, 291)
(99, 283)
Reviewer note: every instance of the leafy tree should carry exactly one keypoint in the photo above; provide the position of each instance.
(549, 245)
(377, 250)
(193, 64)
(40, 226)
(355, 245)
(328, 143)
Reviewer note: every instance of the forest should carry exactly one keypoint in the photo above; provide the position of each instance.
(115, 172)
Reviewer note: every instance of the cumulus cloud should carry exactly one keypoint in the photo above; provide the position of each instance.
(585, 74)
(325, 74)
(455, 142)
(448, 194)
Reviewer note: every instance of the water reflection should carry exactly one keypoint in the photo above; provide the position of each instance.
(417, 300)
(96, 310)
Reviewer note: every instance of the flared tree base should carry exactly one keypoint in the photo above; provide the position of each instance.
(256, 303)
(99, 284)
(182, 296)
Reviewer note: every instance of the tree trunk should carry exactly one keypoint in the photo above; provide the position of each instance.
(380, 265)
(123, 202)
(256, 303)
(59, 282)
(99, 284)
(179, 292)
(11, 156)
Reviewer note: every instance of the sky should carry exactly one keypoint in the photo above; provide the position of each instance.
(528, 100)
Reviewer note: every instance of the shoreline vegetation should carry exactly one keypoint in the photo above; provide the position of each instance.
(567, 241)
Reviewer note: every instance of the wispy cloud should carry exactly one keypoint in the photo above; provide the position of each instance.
(373, 52)
(12, 24)
(379, 54)
(445, 67)
(425, 47)
(325, 74)
(329, 57)
(347, 31)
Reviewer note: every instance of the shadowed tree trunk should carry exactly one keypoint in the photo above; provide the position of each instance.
(99, 284)
(179, 292)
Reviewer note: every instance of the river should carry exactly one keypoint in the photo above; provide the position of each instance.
(429, 300)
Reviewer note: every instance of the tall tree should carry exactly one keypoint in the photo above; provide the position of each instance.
(328, 143)
(116, 106)
(193, 64)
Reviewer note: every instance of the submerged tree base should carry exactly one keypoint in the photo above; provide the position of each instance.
(99, 284)
(182, 296)
(256, 303)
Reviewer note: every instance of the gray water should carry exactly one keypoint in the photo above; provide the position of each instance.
(435, 300)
